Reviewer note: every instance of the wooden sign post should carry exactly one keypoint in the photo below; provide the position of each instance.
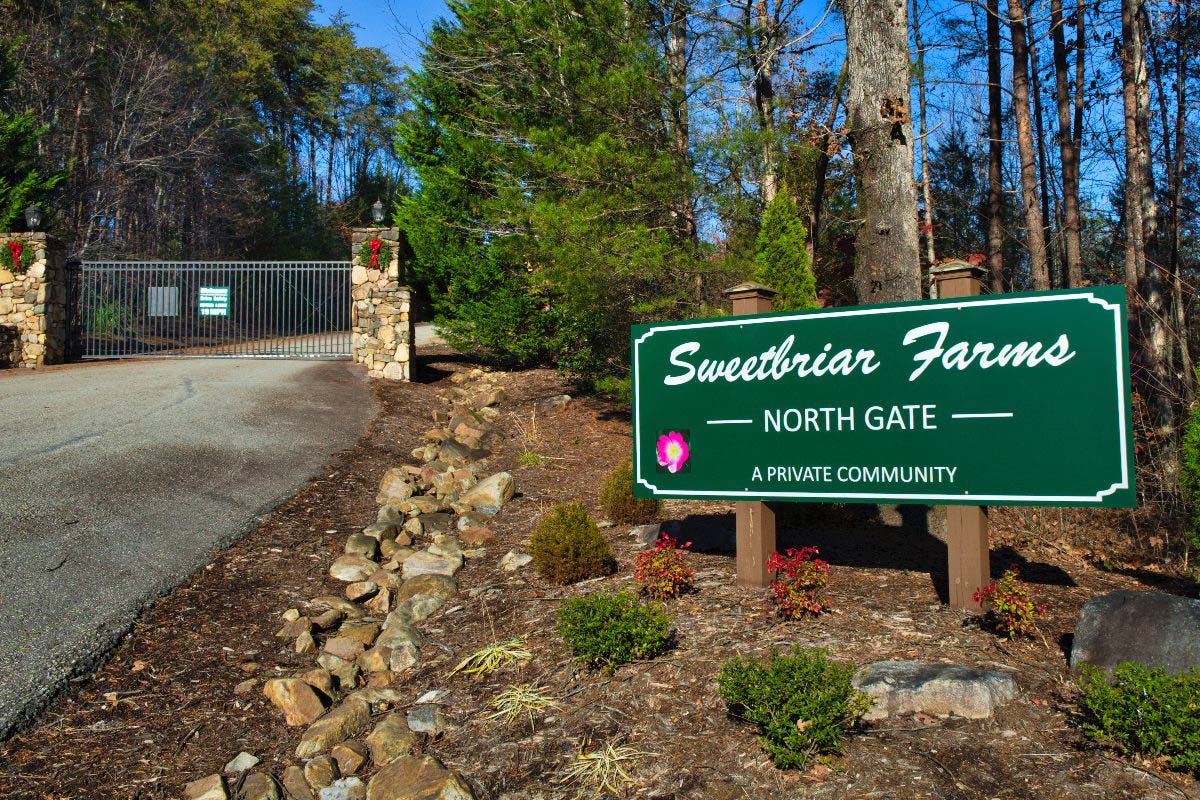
(968, 557)
(755, 538)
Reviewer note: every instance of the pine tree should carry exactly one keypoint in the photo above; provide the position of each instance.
(22, 181)
(781, 258)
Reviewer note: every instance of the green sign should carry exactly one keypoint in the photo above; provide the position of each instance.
(997, 400)
(214, 301)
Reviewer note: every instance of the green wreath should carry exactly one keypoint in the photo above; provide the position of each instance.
(24, 260)
(385, 255)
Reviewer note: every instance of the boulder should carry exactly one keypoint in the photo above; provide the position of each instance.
(344, 647)
(941, 690)
(364, 630)
(359, 544)
(1149, 628)
(555, 405)
(352, 568)
(426, 563)
(423, 504)
(299, 702)
(320, 679)
(351, 788)
(646, 535)
(350, 756)
(258, 786)
(343, 722)
(490, 494)
(320, 772)
(437, 585)
(362, 590)
(379, 531)
(390, 740)
(391, 514)
(209, 788)
(344, 670)
(295, 786)
(412, 778)
(395, 486)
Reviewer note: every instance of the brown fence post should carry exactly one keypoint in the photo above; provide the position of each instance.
(966, 526)
(755, 520)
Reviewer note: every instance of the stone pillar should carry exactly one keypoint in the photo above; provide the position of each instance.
(33, 297)
(382, 338)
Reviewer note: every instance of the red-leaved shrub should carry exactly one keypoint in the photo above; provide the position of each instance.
(1012, 605)
(661, 571)
(799, 580)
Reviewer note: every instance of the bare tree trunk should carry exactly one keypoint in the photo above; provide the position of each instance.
(1039, 268)
(1068, 152)
(676, 45)
(889, 263)
(923, 176)
(822, 168)
(1187, 367)
(760, 36)
(995, 201)
(1043, 163)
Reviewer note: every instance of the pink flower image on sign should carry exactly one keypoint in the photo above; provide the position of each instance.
(672, 451)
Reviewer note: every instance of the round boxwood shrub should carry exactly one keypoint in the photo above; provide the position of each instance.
(568, 547)
(618, 502)
(607, 630)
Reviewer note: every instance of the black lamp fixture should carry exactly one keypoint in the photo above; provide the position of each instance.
(377, 212)
(33, 217)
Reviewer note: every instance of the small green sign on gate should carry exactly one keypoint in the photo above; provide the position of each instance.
(214, 301)
(997, 400)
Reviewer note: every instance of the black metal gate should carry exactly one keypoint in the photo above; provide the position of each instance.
(214, 309)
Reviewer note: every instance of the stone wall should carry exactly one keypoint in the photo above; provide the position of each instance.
(382, 337)
(33, 312)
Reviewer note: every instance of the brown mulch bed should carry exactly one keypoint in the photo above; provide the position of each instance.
(162, 711)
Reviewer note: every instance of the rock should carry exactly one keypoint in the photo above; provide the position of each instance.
(332, 617)
(210, 788)
(245, 687)
(390, 739)
(405, 643)
(425, 563)
(423, 504)
(381, 699)
(387, 580)
(412, 778)
(1149, 628)
(514, 560)
(395, 486)
(350, 756)
(345, 671)
(941, 690)
(457, 454)
(298, 701)
(475, 537)
(434, 523)
(360, 590)
(487, 397)
(391, 514)
(427, 718)
(295, 628)
(320, 679)
(320, 772)
(381, 603)
(490, 494)
(379, 531)
(441, 586)
(257, 786)
(416, 608)
(396, 549)
(364, 630)
(554, 405)
(240, 763)
(646, 535)
(343, 722)
(344, 647)
(305, 643)
(377, 659)
(359, 544)
(352, 568)
(351, 788)
(291, 615)
(295, 786)
(471, 519)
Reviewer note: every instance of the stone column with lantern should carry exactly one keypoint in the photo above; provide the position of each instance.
(382, 336)
(33, 297)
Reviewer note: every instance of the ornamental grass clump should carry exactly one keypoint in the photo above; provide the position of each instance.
(1145, 711)
(1012, 605)
(662, 571)
(608, 630)
(800, 578)
(618, 502)
(568, 547)
(804, 702)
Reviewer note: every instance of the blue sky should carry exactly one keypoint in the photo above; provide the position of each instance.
(394, 25)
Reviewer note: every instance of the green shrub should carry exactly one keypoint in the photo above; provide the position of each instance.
(781, 255)
(618, 502)
(1189, 472)
(568, 547)
(1145, 711)
(607, 630)
(803, 702)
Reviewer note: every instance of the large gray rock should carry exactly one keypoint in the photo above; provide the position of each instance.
(941, 690)
(412, 778)
(489, 494)
(1150, 628)
(426, 563)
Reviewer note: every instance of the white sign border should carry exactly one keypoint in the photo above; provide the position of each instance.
(1090, 297)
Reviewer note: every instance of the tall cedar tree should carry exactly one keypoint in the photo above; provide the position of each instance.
(23, 177)
(781, 257)
(547, 177)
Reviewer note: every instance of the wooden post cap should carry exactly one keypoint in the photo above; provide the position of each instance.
(956, 268)
(749, 289)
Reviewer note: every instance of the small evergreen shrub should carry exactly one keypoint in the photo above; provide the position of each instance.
(803, 702)
(1189, 473)
(618, 502)
(607, 630)
(1012, 605)
(568, 547)
(781, 255)
(800, 577)
(1146, 711)
(662, 571)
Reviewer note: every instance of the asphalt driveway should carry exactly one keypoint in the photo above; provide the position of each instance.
(118, 480)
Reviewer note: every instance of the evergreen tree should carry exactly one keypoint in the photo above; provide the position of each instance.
(22, 178)
(781, 259)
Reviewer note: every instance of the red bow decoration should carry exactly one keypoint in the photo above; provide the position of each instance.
(14, 247)
(375, 245)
